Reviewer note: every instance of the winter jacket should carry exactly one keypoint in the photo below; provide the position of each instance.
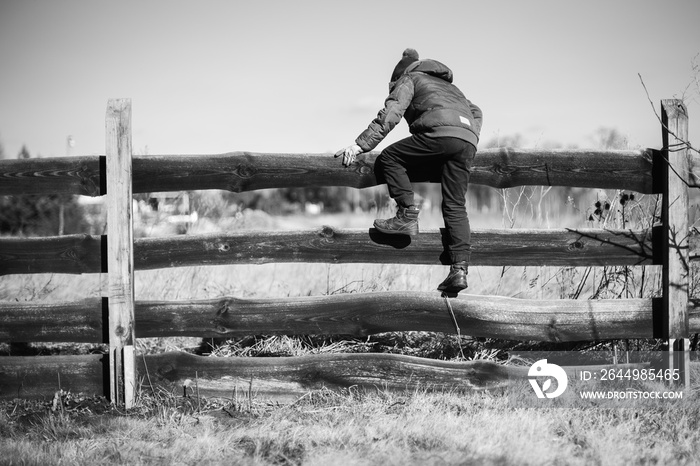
(431, 104)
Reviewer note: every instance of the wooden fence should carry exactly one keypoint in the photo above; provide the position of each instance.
(117, 319)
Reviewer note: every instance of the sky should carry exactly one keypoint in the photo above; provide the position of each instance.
(303, 76)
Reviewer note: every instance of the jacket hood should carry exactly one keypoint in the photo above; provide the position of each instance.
(432, 68)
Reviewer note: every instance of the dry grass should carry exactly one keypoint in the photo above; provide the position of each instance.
(349, 427)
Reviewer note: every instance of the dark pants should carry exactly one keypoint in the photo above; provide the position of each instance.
(450, 159)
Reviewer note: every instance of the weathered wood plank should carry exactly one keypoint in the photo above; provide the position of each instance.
(77, 322)
(676, 266)
(616, 169)
(54, 175)
(74, 254)
(120, 253)
(245, 171)
(675, 234)
(362, 314)
(499, 168)
(41, 376)
(287, 378)
(279, 379)
(263, 379)
(355, 314)
(328, 245)
(583, 247)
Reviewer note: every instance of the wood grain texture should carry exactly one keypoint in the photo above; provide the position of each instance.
(288, 378)
(120, 251)
(246, 171)
(675, 236)
(618, 169)
(582, 247)
(499, 168)
(328, 245)
(279, 379)
(352, 314)
(120, 256)
(53, 175)
(370, 313)
(41, 376)
(75, 254)
(77, 322)
(676, 267)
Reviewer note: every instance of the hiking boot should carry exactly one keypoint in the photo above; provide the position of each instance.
(456, 280)
(404, 223)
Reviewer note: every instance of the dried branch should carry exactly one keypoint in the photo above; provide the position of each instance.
(672, 147)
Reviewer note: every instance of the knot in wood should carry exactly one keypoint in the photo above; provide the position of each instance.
(553, 330)
(327, 232)
(87, 182)
(503, 169)
(70, 254)
(364, 169)
(224, 308)
(576, 245)
(245, 171)
(166, 370)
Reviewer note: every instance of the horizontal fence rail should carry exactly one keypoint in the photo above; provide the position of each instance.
(276, 378)
(54, 175)
(279, 379)
(247, 171)
(356, 314)
(82, 253)
(40, 376)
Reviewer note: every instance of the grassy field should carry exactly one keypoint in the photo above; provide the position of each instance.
(346, 428)
(351, 427)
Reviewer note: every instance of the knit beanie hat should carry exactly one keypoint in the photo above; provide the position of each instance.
(409, 56)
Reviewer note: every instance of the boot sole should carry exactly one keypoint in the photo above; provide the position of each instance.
(452, 289)
(397, 232)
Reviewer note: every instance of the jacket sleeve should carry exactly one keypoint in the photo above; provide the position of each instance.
(394, 107)
(478, 117)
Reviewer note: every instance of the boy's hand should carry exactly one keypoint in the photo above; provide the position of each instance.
(349, 153)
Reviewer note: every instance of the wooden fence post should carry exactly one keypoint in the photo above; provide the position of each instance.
(120, 255)
(676, 267)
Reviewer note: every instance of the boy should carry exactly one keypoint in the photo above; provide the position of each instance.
(445, 129)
